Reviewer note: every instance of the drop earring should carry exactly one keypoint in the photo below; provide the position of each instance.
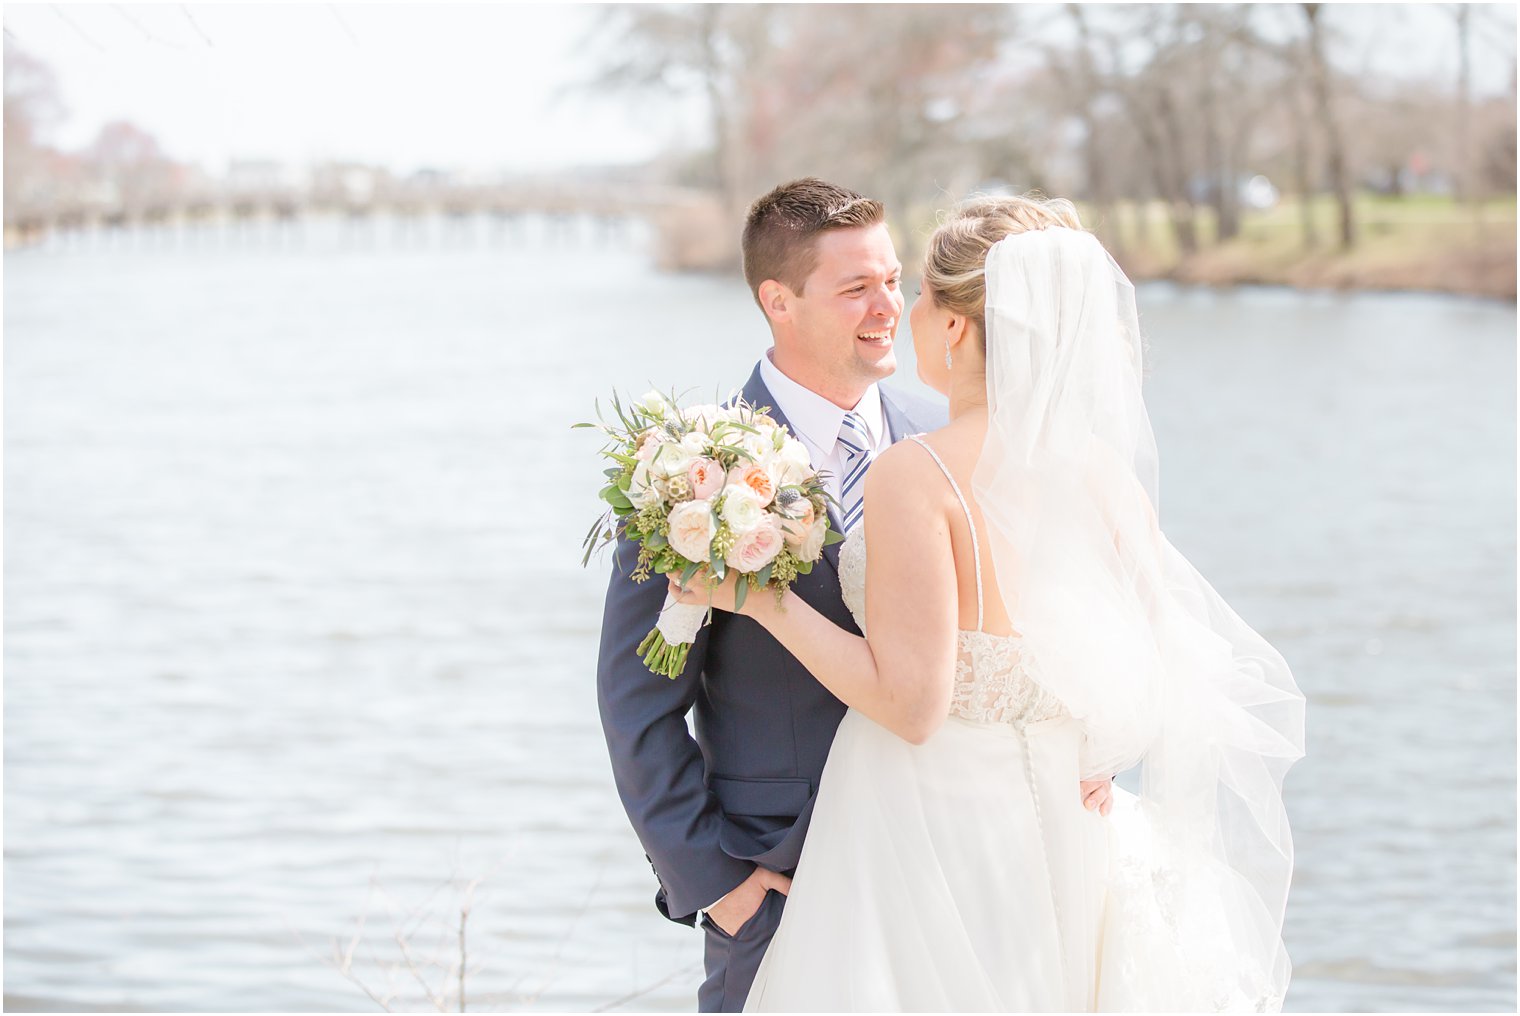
(947, 356)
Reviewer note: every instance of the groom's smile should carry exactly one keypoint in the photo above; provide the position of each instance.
(821, 264)
(852, 303)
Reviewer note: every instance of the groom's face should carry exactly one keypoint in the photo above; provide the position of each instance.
(846, 316)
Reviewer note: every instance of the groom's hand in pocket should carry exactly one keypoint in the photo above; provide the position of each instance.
(733, 911)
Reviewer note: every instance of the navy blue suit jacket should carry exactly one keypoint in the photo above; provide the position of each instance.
(708, 809)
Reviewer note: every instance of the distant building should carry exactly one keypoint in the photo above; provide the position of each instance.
(348, 184)
(251, 177)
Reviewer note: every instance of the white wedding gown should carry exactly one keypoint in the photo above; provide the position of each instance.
(964, 874)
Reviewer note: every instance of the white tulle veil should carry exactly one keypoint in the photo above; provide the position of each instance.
(1117, 624)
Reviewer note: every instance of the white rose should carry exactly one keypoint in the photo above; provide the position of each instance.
(769, 461)
(640, 491)
(811, 548)
(757, 445)
(696, 442)
(702, 417)
(742, 509)
(672, 459)
(692, 529)
(790, 464)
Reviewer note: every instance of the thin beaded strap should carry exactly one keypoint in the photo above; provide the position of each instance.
(976, 550)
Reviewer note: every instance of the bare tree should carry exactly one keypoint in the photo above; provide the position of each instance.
(131, 160)
(1125, 103)
(32, 108)
(882, 105)
(683, 48)
(1152, 102)
(1086, 88)
(1226, 77)
(1462, 15)
(1329, 123)
(1303, 175)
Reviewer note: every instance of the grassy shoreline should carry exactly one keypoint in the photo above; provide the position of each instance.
(1419, 244)
(1412, 244)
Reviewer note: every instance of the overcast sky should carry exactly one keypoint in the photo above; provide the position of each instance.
(480, 87)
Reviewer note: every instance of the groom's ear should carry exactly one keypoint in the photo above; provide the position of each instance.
(775, 300)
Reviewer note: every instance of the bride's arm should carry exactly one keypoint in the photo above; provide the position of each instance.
(903, 675)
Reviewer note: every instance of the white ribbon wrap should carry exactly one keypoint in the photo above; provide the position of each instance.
(680, 622)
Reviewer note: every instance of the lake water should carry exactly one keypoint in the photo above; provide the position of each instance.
(298, 645)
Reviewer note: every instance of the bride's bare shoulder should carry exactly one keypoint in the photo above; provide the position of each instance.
(957, 443)
(904, 475)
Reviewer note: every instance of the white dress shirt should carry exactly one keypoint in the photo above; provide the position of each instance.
(816, 421)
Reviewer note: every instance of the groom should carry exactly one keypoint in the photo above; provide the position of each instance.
(722, 816)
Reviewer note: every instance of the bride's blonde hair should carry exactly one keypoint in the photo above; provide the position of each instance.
(955, 266)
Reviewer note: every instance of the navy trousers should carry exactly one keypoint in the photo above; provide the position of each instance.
(733, 960)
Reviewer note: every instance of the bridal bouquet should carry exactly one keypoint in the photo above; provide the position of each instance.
(707, 489)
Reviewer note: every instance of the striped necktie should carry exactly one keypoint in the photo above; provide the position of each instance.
(855, 445)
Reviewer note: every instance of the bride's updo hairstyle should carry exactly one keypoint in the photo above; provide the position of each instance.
(955, 266)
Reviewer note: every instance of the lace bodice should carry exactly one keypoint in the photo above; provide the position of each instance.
(993, 679)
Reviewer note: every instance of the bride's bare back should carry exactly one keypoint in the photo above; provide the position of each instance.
(958, 446)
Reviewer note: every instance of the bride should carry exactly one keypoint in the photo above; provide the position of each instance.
(1029, 628)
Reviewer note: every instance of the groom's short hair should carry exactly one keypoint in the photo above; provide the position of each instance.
(782, 228)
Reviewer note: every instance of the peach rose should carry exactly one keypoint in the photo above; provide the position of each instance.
(706, 476)
(811, 547)
(756, 548)
(649, 443)
(692, 529)
(753, 476)
(796, 521)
